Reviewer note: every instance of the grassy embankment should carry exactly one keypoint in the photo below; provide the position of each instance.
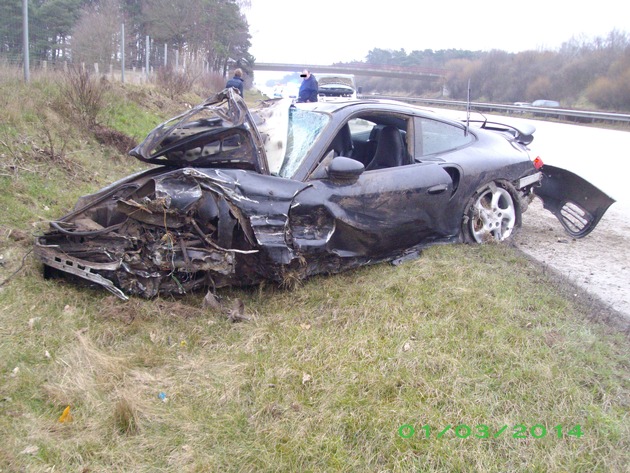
(319, 379)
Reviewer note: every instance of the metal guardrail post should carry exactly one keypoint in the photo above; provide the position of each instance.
(27, 69)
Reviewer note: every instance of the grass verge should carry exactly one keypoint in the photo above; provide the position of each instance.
(321, 378)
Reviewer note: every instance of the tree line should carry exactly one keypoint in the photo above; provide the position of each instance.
(212, 32)
(582, 73)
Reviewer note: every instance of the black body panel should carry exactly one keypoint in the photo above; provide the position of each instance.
(577, 203)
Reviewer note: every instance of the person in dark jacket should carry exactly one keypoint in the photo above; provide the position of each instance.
(236, 81)
(308, 88)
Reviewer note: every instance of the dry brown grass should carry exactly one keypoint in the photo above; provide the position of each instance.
(320, 378)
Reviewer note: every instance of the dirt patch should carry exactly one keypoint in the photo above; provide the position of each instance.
(598, 264)
(114, 138)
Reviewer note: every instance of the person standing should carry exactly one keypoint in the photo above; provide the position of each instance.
(308, 88)
(236, 81)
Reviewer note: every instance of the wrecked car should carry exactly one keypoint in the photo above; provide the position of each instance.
(284, 191)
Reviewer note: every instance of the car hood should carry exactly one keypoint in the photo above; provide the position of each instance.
(221, 132)
(335, 81)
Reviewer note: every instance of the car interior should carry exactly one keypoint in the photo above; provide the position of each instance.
(377, 141)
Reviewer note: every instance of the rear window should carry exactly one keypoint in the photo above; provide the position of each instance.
(433, 137)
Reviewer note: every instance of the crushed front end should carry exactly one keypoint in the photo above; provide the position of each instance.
(155, 234)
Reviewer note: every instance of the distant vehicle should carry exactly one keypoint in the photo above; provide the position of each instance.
(284, 91)
(545, 103)
(336, 86)
(522, 104)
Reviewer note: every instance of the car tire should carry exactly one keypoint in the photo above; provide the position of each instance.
(493, 213)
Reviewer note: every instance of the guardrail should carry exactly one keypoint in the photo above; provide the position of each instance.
(583, 116)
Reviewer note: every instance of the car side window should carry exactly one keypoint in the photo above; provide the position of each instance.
(362, 132)
(376, 140)
(380, 141)
(360, 126)
(433, 137)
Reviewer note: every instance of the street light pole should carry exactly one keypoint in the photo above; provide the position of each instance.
(27, 73)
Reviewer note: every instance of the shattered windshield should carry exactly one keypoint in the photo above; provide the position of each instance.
(304, 129)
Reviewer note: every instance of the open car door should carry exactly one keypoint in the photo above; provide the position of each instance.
(577, 203)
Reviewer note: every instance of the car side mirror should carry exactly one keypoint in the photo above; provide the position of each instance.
(345, 169)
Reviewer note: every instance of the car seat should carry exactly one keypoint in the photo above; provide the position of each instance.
(390, 149)
(342, 143)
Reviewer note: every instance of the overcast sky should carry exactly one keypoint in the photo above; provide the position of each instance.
(327, 31)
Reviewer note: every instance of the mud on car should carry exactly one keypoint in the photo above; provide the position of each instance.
(283, 191)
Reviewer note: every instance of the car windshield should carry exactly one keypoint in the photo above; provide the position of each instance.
(304, 128)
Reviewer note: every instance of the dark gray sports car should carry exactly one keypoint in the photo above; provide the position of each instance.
(284, 191)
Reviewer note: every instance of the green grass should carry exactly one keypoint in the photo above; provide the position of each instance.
(139, 110)
(320, 378)
(48, 158)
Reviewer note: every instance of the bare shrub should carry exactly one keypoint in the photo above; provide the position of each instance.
(85, 94)
(12, 156)
(611, 93)
(53, 149)
(174, 83)
(24, 153)
(539, 87)
(209, 83)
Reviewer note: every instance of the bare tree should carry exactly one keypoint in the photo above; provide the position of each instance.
(96, 37)
(173, 21)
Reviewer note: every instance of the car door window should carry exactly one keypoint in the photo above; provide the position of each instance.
(361, 126)
(380, 141)
(361, 131)
(358, 138)
(433, 137)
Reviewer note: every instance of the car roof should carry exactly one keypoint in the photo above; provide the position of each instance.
(383, 104)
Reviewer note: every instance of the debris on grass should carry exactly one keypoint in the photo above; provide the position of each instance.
(30, 450)
(211, 302)
(66, 416)
(237, 312)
